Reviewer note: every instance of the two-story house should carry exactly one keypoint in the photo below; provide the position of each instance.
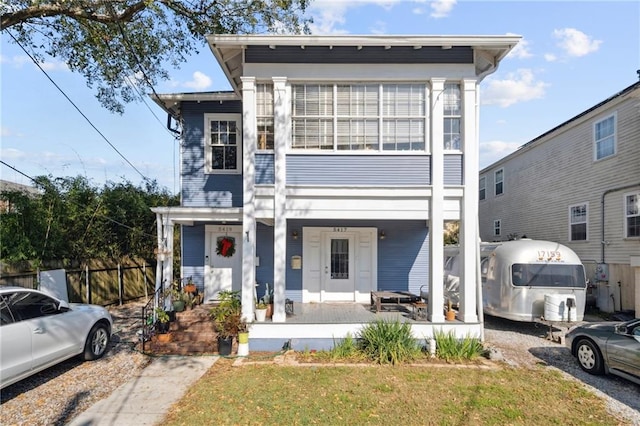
(330, 169)
(577, 184)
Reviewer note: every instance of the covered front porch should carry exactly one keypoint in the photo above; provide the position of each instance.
(318, 326)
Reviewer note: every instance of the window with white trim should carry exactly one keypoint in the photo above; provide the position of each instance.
(632, 215)
(355, 117)
(497, 228)
(578, 220)
(499, 181)
(223, 143)
(264, 116)
(483, 188)
(604, 137)
(452, 116)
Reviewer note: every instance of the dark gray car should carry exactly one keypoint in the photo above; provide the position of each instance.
(608, 347)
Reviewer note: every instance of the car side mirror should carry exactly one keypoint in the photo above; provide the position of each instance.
(63, 306)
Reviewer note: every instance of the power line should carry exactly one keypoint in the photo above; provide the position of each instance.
(146, 179)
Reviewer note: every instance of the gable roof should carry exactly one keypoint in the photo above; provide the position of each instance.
(485, 52)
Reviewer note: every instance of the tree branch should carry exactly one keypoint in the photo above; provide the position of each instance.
(10, 19)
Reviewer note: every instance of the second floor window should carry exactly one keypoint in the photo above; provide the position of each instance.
(483, 188)
(223, 143)
(452, 116)
(499, 179)
(632, 215)
(264, 115)
(354, 117)
(578, 222)
(604, 135)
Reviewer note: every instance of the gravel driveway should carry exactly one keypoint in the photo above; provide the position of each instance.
(525, 345)
(59, 394)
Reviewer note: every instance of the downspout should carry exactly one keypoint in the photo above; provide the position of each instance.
(602, 240)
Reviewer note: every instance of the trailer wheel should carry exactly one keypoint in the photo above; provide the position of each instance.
(589, 357)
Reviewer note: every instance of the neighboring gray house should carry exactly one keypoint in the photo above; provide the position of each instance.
(330, 170)
(577, 184)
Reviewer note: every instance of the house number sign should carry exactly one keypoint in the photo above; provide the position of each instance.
(225, 229)
(339, 229)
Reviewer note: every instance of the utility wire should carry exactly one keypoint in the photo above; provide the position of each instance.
(146, 179)
(80, 205)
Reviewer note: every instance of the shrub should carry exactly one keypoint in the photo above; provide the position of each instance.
(388, 342)
(450, 348)
(345, 349)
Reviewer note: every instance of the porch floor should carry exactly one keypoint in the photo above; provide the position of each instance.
(348, 313)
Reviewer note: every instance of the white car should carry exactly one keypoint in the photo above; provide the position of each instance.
(38, 331)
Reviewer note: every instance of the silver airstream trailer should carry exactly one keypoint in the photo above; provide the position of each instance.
(531, 280)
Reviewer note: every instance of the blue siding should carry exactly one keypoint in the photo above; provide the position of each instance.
(453, 169)
(193, 253)
(403, 256)
(265, 169)
(358, 170)
(200, 189)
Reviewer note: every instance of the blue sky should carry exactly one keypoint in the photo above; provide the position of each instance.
(572, 56)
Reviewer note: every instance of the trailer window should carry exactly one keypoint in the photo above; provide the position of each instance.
(547, 275)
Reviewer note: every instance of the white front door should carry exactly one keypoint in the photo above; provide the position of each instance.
(223, 260)
(339, 264)
(339, 278)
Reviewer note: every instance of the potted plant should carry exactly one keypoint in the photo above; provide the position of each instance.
(261, 311)
(177, 299)
(450, 315)
(162, 324)
(268, 299)
(227, 320)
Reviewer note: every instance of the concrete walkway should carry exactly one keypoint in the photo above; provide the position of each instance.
(146, 398)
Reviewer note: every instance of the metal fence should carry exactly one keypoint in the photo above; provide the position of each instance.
(100, 286)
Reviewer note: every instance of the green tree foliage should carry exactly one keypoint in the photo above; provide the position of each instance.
(72, 220)
(110, 41)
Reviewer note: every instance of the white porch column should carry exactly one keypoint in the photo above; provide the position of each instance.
(436, 214)
(249, 144)
(469, 216)
(282, 133)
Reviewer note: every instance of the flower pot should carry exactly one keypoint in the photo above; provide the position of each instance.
(164, 337)
(261, 315)
(450, 315)
(243, 344)
(163, 327)
(178, 305)
(269, 310)
(172, 316)
(190, 288)
(224, 345)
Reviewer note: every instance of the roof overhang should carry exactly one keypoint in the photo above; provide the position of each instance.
(229, 50)
(171, 102)
(190, 215)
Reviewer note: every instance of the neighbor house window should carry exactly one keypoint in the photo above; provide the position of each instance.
(497, 228)
(578, 222)
(632, 215)
(483, 188)
(604, 135)
(356, 117)
(499, 179)
(452, 116)
(222, 143)
(264, 115)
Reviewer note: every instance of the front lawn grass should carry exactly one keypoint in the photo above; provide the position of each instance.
(381, 395)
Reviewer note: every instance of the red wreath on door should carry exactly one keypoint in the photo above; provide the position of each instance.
(226, 246)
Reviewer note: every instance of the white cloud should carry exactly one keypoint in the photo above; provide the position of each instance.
(492, 151)
(550, 57)
(200, 81)
(441, 8)
(576, 43)
(521, 51)
(54, 66)
(327, 16)
(517, 87)
(379, 28)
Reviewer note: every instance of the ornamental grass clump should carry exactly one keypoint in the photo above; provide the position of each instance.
(388, 342)
(451, 348)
